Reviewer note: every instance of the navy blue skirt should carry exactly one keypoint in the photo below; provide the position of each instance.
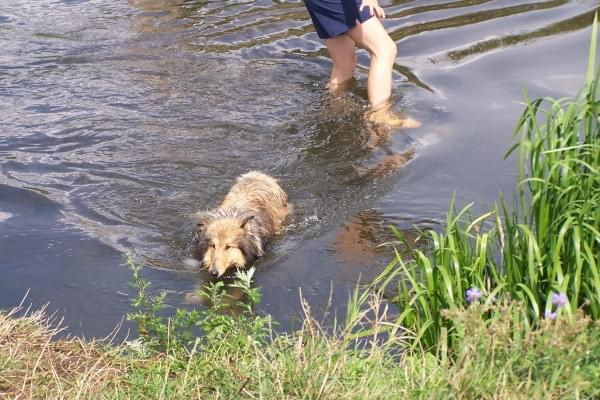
(334, 17)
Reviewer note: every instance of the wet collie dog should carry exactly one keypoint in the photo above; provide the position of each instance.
(235, 233)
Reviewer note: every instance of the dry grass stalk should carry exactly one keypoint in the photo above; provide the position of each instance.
(35, 365)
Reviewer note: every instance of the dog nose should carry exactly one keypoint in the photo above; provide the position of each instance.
(214, 273)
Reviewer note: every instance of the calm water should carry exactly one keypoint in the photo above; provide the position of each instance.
(121, 119)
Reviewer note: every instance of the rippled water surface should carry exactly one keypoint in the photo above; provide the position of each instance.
(120, 119)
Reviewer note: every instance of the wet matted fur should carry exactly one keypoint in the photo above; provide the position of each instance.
(235, 233)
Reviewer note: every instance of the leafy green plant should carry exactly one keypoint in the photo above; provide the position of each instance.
(188, 327)
(233, 329)
(151, 327)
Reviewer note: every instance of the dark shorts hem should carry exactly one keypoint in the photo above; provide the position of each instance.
(332, 18)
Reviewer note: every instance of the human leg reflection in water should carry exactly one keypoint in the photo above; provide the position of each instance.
(347, 23)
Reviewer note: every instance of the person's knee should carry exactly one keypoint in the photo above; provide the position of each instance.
(386, 50)
(393, 49)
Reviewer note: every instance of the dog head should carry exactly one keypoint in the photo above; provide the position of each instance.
(224, 243)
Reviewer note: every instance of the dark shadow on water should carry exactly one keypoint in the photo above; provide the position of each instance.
(473, 18)
(576, 23)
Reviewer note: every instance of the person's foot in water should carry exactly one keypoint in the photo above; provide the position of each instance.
(342, 88)
(384, 114)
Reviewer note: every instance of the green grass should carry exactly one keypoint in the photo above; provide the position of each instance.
(495, 359)
(497, 356)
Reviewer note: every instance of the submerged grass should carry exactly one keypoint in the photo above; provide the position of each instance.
(547, 243)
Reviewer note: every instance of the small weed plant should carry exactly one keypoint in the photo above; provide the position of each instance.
(181, 332)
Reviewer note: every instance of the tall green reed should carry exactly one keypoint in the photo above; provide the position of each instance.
(547, 242)
(558, 199)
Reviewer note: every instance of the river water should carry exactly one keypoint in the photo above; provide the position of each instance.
(121, 119)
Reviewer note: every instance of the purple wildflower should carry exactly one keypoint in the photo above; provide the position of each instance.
(550, 315)
(472, 295)
(559, 299)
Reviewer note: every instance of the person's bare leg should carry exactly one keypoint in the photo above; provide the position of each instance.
(372, 36)
(342, 53)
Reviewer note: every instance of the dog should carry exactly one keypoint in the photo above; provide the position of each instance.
(236, 233)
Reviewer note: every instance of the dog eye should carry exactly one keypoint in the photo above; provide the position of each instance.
(211, 245)
(228, 247)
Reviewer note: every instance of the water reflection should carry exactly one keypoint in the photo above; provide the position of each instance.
(361, 241)
(358, 240)
(343, 143)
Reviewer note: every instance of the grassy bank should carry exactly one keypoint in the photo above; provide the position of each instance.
(505, 305)
(495, 357)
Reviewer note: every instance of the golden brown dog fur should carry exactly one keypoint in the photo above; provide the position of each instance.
(235, 233)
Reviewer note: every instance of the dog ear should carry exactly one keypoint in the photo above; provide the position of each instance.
(246, 220)
(249, 250)
(200, 244)
(201, 219)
